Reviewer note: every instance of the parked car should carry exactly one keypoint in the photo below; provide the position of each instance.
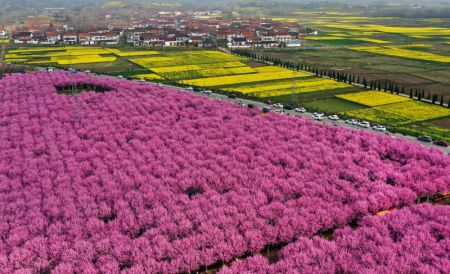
(197, 89)
(318, 113)
(333, 117)
(232, 96)
(379, 128)
(301, 110)
(207, 92)
(317, 117)
(190, 88)
(288, 107)
(250, 105)
(351, 121)
(426, 139)
(441, 143)
(268, 102)
(267, 109)
(364, 124)
(278, 105)
(280, 111)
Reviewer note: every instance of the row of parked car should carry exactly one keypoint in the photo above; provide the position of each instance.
(428, 139)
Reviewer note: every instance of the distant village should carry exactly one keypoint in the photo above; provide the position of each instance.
(195, 29)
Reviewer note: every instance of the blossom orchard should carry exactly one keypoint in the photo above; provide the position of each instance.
(411, 240)
(144, 179)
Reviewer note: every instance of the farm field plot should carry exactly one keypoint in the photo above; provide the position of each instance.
(404, 53)
(246, 78)
(331, 105)
(401, 113)
(96, 59)
(184, 64)
(185, 57)
(137, 178)
(148, 76)
(61, 55)
(373, 98)
(297, 85)
(438, 129)
(132, 53)
(204, 72)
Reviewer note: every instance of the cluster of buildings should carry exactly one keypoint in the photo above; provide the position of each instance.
(176, 29)
(243, 33)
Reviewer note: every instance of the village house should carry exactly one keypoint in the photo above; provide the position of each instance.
(106, 38)
(70, 38)
(22, 37)
(53, 37)
(85, 39)
(4, 34)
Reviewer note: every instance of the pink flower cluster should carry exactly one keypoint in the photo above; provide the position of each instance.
(411, 240)
(147, 179)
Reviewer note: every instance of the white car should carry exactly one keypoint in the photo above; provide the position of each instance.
(318, 114)
(317, 117)
(379, 128)
(333, 117)
(280, 111)
(278, 105)
(207, 92)
(301, 110)
(351, 121)
(190, 88)
(364, 124)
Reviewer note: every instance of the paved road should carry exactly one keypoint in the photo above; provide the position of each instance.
(215, 96)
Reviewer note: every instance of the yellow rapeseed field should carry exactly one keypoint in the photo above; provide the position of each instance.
(61, 55)
(149, 76)
(277, 85)
(183, 58)
(405, 53)
(401, 113)
(132, 53)
(176, 68)
(372, 40)
(427, 31)
(373, 98)
(84, 59)
(244, 78)
(341, 36)
(312, 86)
